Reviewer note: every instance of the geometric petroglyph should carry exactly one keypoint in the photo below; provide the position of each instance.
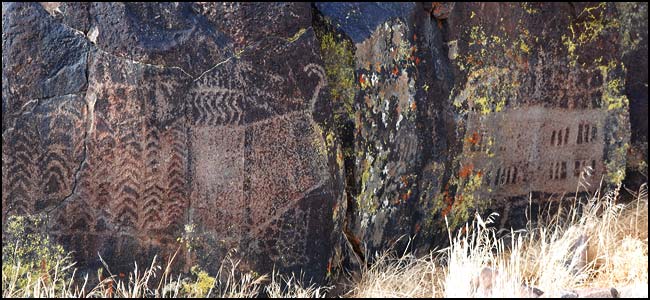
(285, 165)
(217, 185)
(256, 154)
(42, 153)
(134, 178)
(257, 171)
(535, 149)
(140, 147)
(236, 93)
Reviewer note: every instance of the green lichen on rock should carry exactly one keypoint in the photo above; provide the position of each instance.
(494, 65)
(338, 55)
(30, 254)
(589, 25)
(615, 101)
(613, 85)
(296, 36)
(616, 165)
(528, 8)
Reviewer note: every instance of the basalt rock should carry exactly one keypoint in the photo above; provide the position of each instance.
(280, 132)
(453, 109)
(134, 125)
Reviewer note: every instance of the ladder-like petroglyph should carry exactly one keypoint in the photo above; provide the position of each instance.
(535, 149)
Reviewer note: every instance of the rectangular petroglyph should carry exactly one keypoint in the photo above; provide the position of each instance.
(217, 167)
(535, 149)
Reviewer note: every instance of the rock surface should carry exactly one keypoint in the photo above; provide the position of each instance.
(159, 121)
(284, 131)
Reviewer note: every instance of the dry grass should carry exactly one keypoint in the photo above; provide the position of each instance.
(604, 246)
(404, 276)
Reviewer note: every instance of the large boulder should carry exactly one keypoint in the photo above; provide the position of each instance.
(445, 110)
(393, 116)
(278, 133)
(133, 125)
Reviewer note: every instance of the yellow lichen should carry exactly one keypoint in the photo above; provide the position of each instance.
(297, 35)
(339, 67)
(526, 6)
(613, 90)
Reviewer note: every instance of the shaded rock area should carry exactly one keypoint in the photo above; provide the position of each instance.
(299, 136)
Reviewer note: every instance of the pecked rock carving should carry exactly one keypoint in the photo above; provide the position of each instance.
(280, 132)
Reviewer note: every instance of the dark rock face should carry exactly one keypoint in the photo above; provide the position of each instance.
(282, 130)
(633, 32)
(467, 107)
(153, 122)
(401, 128)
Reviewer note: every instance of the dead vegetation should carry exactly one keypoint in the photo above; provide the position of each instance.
(567, 254)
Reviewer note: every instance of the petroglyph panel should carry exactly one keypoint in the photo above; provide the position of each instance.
(218, 169)
(134, 178)
(155, 134)
(286, 160)
(236, 93)
(42, 152)
(535, 149)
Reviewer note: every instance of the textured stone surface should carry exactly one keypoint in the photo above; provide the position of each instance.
(131, 125)
(284, 130)
(476, 105)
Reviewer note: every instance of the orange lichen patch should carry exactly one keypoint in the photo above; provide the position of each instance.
(474, 139)
(446, 211)
(44, 275)
(470, 59)
(458, 200)
(465, 171)
(339, 156)
(463, 230)
(378, 67)
(437, 8)
(404, 180)
(479, 173)
(110, 288)
(395, 71)
(362, 80)
(406, 196)
(417, 60)
(413, 105)
(329, 267)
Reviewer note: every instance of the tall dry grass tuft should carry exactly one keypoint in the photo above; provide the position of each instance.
(605, 246)
(153, 282)
(397, 276)
(293, 287)
(19, 282)
(596, 244)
